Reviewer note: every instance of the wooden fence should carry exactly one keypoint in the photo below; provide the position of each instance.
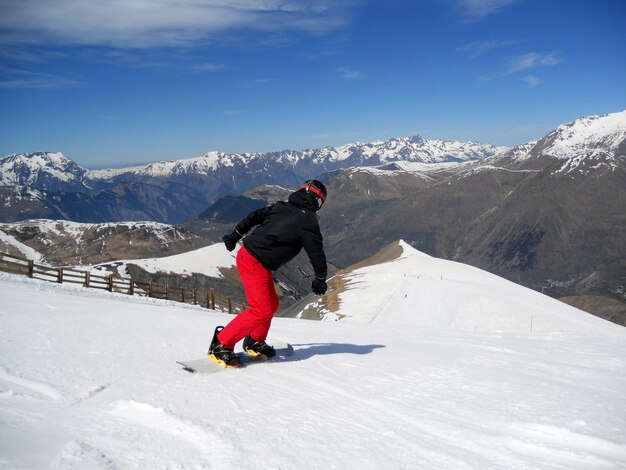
(208, 298)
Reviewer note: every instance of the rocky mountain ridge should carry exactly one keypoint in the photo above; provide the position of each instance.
(178, 190)
(409, 149)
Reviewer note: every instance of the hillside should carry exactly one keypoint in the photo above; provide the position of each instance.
(70, 243)
(146, 252)
(210, 267)
(439, 369)
(390, 286)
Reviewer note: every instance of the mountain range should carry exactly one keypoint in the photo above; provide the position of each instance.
(547, 214)
(176, 191)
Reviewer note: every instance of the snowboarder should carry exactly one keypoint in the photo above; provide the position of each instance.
(284, 228)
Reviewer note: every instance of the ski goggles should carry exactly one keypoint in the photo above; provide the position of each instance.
(319, 195)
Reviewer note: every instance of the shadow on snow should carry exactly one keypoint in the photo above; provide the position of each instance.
(306, 351)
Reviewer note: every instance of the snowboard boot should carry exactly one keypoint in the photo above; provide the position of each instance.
(220, 355)
(258, 348)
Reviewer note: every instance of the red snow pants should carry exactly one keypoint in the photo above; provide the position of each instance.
(262, 299)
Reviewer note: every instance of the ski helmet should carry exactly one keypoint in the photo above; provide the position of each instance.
(317, 190)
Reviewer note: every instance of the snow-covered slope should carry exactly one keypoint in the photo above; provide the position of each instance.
(587, 135)
(208, 261)
(11, 245)
(419, 169)
(412, 288)
(88, 380)
(50, 170)
(587, 143)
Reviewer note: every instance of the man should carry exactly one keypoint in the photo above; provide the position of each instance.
(283, 229)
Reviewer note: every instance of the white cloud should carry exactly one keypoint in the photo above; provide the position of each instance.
(531, 60)
(479, 48)
(532, 81)
(40, 82)
(152, 23)
(476, 10)
(209, 67)
(349, 73)
(522, 63)
(25, 79)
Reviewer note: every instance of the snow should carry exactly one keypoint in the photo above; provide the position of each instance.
(108, 173)
(204, 164)
(414, 149)
(593, 141)
(25, 250)
(88, 380)
(208, 261)
(22, 193)
(418, 169)
(483, 302)
(48, 227)
(53, 163)
(584, 135)
(410, 149)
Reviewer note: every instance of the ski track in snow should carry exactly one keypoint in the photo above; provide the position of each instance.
(27, 387)
(564, 446)
(152, 424)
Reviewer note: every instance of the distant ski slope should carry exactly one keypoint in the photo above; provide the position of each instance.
(208, 261)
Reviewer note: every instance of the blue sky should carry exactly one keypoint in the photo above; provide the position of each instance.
(114, 83)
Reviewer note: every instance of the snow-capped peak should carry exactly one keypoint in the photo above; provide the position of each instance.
(588, 135)
(592, 143)
(409, 149)
(33, 169)
(412, 149)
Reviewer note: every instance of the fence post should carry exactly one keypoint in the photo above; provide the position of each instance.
(31, 268)
(110, 283)
(230, 306)
(212, 298)
(166, 294)
(60, 275)
(131, 287)
(182, 294)
(87, 278)
(150, 289)
(194, 296)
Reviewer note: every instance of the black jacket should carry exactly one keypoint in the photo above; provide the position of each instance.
(283, 230)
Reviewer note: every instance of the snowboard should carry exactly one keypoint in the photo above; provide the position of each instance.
(207, 366)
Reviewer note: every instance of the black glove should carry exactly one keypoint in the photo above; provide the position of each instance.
(231, 240)
(319, 286)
